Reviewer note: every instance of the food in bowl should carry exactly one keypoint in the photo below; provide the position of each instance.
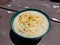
(30, 24)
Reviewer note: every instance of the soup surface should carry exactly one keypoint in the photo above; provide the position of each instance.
(30, 24)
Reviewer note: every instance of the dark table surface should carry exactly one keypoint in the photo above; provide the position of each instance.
(52, 9)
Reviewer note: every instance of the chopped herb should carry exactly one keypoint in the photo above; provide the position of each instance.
(24, 29)
(33, 19)
(24, 25)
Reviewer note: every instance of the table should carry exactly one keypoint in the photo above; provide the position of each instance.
(52, 9)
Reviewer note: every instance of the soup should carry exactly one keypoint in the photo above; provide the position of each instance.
(30, 24)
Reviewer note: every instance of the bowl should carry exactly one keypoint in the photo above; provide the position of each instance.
(26, 38)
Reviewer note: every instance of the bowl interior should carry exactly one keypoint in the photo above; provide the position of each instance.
(13, 17)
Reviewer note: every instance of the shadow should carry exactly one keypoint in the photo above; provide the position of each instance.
(3, 2)
(57, 1)
(22, 41)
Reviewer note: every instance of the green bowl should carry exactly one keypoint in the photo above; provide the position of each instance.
(13, 17)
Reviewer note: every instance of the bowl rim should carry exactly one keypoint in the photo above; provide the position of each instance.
(29, 9)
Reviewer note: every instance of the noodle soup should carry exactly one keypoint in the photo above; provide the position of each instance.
(30, 24)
